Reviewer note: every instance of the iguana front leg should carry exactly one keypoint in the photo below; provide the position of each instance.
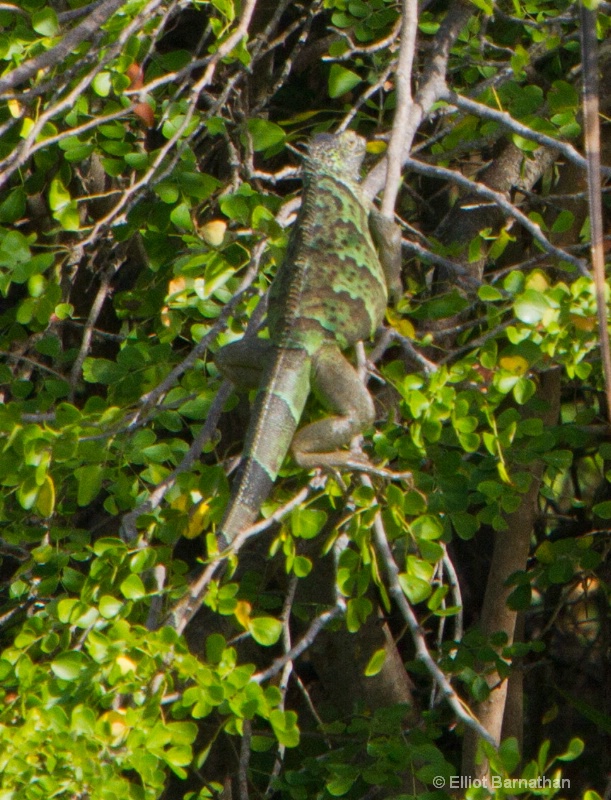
(339, 387)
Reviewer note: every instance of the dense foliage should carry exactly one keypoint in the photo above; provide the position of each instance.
(148, 179)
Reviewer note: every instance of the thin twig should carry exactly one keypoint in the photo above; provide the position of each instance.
(13, 9)
(187, 607)
(306, 641)
(453, 267)
(244, 760)
(454, 585)
(128, 523)
(287, 671)
(461, 710)
(94, 313)
(503, 203)
(152, 398)
(91, 25)
(506, 120)
(160, 161)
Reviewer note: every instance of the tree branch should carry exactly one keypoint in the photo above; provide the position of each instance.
(401, 123)
(62, 50)
(461, 710)
(589, 56)
(506, 120)
(501, 201)
(431, 85)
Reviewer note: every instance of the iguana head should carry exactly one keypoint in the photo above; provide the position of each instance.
(340, 153)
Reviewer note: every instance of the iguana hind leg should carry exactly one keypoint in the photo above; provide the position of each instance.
(338, 385)
(243, 362)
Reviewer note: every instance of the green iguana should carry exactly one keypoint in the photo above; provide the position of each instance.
(343, 261)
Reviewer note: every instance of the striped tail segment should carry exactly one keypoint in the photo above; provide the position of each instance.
(278, 407)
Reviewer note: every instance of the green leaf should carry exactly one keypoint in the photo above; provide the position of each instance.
(306, 523)
(284, 724)
(573, 751)
(178, 756)
(416, 589)
(340, 785)
(440, 307)
(78, 152)
(65, 608)
(13, 207)
(89, 479)
(563, 96)
(358, 609)
(519, 59)
(59, 196)
(181, 217)
(524, 144)
(265, 134)
(68, 216)
(560, 571)
(375, 663)
(102, 84)
(489, 294)
(82, 721)
(484, 6)
(563, 222)
(427, 527)
(342, 80)
(435, 600)
(302, 566)
(101, 370)
(27, 493)
(226, 8)
(45, 22)
(110, 606)
(265, 630)
(64, 310)
(413, 502)
(132, 588)
(602, 510)
(68, 666)
(215, 645)
(167, 191)
(465, 525)
(14, 249)
(530, 307)
(596, 715)
(523, 390)
(45, 502)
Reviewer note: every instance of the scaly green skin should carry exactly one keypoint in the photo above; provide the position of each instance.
(330, 292)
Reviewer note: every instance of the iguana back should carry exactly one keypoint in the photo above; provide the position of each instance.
(331, 285)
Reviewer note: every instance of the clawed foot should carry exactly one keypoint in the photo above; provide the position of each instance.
(348, 460)
(364, 465)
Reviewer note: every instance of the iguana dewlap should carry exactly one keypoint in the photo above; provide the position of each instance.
(342, 262)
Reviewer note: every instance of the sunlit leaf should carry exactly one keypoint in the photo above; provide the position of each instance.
(342, 80)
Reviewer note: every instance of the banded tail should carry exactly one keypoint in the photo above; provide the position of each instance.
(278, 407)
